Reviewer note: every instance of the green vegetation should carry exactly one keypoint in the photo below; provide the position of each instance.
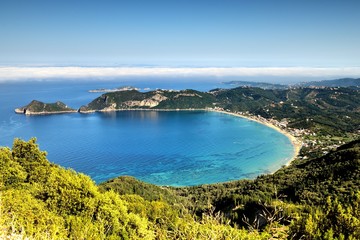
(315, 199)
(187, 99)
(130, 185)
(36, 107)
(324, 191)
(40, 200)
(160, 99)
(326, 111)
(331, 112)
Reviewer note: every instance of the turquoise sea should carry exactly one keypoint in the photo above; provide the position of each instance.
(165, 148)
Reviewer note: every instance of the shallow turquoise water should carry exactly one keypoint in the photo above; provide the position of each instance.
(164, 148)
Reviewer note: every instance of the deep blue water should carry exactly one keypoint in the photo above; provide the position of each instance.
(164, 148)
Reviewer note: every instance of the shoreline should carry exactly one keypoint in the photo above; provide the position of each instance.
(297, 144)
(29, 113)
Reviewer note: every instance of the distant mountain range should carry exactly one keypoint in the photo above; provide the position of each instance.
(262, 85)
(343, 82)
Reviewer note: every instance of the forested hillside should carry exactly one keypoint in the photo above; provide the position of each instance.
(323, 192)
(316, 197)
(40, 200)
(326, 111)
(159, 99)
(313, 199)
(323, 110)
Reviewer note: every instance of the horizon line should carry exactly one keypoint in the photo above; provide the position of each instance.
(109, 72)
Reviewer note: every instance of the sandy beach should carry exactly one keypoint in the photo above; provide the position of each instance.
(294, 141)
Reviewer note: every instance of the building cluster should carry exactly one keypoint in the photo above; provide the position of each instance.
(309, 139)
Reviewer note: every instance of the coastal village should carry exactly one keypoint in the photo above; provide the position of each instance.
(305, 141)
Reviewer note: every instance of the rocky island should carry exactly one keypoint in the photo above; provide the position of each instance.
(39, 108)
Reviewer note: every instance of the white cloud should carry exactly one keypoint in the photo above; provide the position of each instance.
(20, 73)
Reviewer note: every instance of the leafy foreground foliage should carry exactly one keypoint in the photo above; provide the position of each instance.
(314, 199)
(40, 200)
(317, 199)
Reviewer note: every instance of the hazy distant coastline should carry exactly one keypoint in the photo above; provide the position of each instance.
(105, 90)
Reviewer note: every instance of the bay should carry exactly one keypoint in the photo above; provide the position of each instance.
(166, 148)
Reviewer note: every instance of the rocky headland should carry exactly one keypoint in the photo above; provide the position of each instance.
(159, 99)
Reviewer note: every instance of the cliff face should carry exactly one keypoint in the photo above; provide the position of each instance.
(151, 102)
(37, 108)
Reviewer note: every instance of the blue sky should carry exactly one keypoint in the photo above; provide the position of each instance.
(310, 33)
